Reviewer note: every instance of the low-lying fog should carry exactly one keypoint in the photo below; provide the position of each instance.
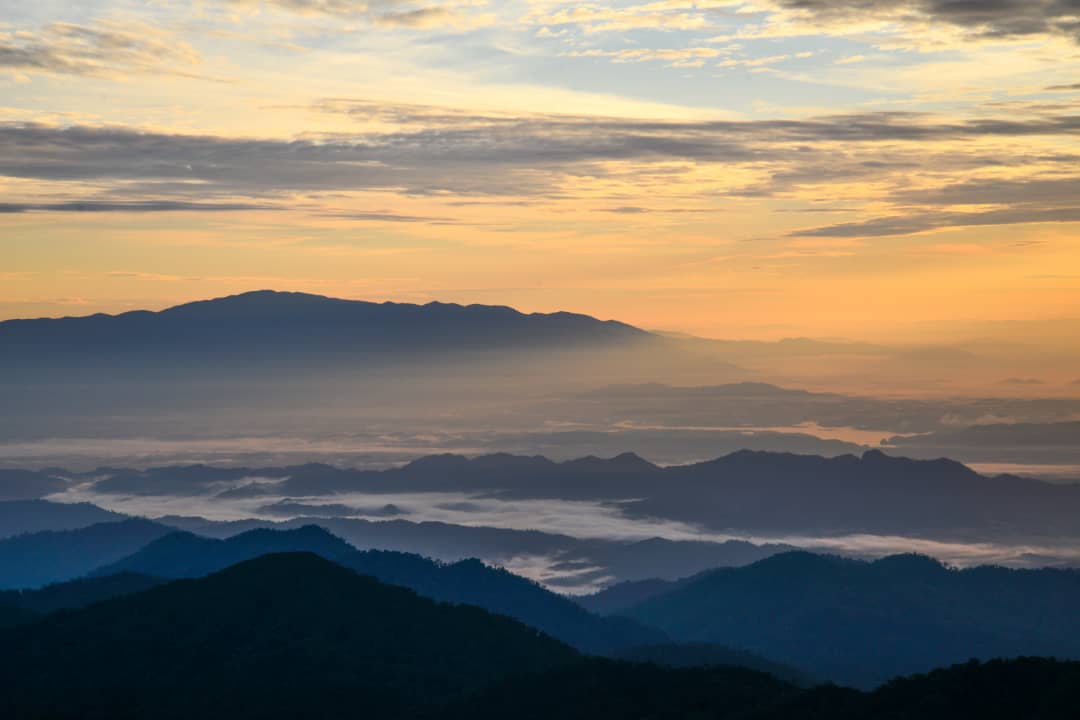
(584, 520)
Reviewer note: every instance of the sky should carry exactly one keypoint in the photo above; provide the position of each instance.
(873, 169)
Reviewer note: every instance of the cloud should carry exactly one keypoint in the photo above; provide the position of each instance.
(386, 13)
(1028, 200)
(291, 508)
(664, 15)
(1056, 191)
(106, 48)
(431, 150)
(922, 222)
(96, 206)
(977, 18)
(675, 56)
(1021, 381)
(391, 217)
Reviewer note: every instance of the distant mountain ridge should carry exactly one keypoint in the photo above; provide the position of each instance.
(30, 516)
(586, 560)
(269, 326)
(745, 491)
(862, 623)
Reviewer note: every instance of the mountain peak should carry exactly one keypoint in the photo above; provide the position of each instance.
(270, 326)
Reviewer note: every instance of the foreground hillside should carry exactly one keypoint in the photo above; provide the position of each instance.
(294, 635)
(795, 615)
(1028, 688)
(285, 635)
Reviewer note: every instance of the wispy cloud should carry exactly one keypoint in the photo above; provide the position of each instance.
(423, 150)
(136, 206)
(105, 48)
(385, 13)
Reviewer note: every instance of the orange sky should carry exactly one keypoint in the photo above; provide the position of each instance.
(730, 169)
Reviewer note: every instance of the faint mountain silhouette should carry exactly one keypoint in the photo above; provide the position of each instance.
(268, 327)
(29, 516)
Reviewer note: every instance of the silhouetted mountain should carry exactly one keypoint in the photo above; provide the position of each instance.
(468, 582)
(585, 561)
(1019, 443)
(78, 593)
(443, 541)
(37, 559)
(30, 516)
(185, 555)
(27, 485)
(13, 615)
(507, 474)
(862, 623)
(471, 582)
(271, 328)
(172, 480)
(795, 494)
(289, 635)
(624, 595)
(689, 655)
(754, 492)
(606, 690)
(1033, 688)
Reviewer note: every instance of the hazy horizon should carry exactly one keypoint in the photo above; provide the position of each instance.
(539, 359)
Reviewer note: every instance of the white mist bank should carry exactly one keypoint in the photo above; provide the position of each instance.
(583, 520)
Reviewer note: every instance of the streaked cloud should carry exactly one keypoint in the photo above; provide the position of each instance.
(104, 48)
(104, 206)
(981, 18)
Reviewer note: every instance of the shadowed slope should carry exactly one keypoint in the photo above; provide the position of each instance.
(471, 582)
(185, 555)
(862, 623)
(468, 582)
(282, 634)
(53, 556)
(78, 593)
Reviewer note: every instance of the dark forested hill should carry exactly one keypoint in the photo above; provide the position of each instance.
(12, 615)
(863, 623)
(77, 593)
(1031, 688)
(289, 635)
(607, 690)
(698, 655)
(469, 582)
(294, 635)
(472, 582)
